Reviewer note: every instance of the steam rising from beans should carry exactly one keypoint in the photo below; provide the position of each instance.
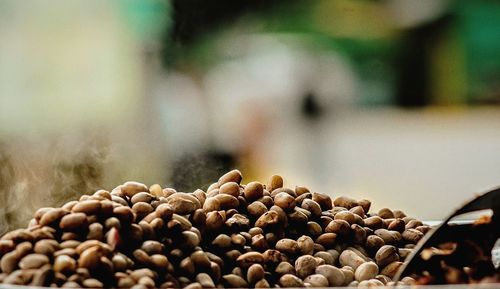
(233, 235)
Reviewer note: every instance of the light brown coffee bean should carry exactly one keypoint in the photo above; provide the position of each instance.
(351, 259)
(334, 275)
(389, 237)
(269, 218)
(373, 243)
(92, 283)
(227, 202)
(385, 213)
(287, 246)
(366, 271)
(205, 280)
(33, 261)
(284, 201)
(88, 207)
(346, 216)
(316, 280)
(232, 176)
(51, 216)
(275, 182)
(391, 269)
(234, 281)
(284, 268)
(90, 257)
(412, 235)
(230, 188)
(73, 221)
(339, 227)
(345, 202)
(131, 188)
(183, 203)
(9, 262)
(253, 191)
(289, 280)
(312, 207)
(64, 264)
(305, 265)
(305, 245)
(348, 274)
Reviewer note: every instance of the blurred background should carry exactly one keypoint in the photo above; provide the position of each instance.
(391, 100)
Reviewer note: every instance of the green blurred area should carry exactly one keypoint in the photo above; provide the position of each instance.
(456, 52)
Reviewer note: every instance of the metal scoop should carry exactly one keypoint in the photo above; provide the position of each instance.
(444, 232)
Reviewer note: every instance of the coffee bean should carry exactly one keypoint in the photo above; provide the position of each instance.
(289, 280)
(366, 271)
(253, 191)
(275, 182)
(412, 235)
(234, 281)
(334, 275)
(305, 265)
(232, 176)
(255, 273)
(230, 188)
(73, 221)
(316, 280)
(64, 264)
(33, 261)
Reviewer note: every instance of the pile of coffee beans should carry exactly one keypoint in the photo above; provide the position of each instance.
(233, 235)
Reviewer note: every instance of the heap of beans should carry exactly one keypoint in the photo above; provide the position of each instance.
(232, 235)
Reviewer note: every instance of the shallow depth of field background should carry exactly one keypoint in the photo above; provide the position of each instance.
(394, 101)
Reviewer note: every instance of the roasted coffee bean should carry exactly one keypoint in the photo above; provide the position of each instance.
(232, 176)
(334, 275)
(289, 280)
(255, 273)
(386, 254)
(412, 235)
(323, 200)
(232, 235)
(285, 201)
(73, 221)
